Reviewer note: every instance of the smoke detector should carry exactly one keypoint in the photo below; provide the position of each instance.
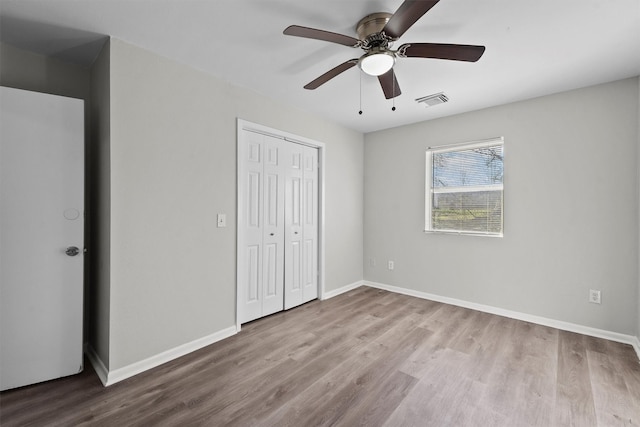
(431, 100)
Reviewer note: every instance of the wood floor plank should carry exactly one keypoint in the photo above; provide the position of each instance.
(439, 396)
(358, 363)
(367, 357)
(527, 370)
(224, 370)
(377, 405)
(321, 389)
(275, 390)
(356, 391)
(613, 402)
(624, 360)
(574, 399)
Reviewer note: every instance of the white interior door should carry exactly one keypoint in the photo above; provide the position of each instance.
(294, 211)
(310, 225)
(250, 255)
(261, 269)
(41, 219)
(273, 230)
(301, 219)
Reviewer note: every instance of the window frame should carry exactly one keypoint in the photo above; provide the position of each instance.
(430, 192)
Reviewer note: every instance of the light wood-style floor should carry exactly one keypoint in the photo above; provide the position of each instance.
(367, 357)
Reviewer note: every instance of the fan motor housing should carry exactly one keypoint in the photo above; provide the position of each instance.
(369, 28)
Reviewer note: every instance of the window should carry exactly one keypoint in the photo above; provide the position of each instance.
(464, 188)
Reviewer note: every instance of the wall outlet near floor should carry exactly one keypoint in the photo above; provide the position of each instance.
(391, 265)
(372, 262)
(595, 296)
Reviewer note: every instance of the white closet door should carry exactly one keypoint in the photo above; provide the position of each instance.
(278, 210)
(293, 219)
(261, 272)
(301, 218)
(250, 281)
(273, 230)
(310, 225)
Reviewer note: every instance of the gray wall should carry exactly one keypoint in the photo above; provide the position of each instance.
(98, 208)
(30, 71)
(571, 209)
(172, 169)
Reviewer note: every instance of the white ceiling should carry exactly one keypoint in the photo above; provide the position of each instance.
(533, 47)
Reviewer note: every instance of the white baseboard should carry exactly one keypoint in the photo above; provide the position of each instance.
(636, 346)
(558, 324)
(111, 377)
(96, 362)
(342, 290)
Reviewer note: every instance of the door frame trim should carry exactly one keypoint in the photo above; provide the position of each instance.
(240, 169)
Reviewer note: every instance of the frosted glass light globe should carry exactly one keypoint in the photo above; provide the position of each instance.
(376, 63)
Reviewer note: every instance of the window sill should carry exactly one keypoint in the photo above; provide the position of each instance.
(463, 233)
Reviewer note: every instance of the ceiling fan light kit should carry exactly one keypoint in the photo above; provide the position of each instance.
(376, 32)
(377, 62)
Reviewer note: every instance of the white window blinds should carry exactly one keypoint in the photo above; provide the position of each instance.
(465, 188)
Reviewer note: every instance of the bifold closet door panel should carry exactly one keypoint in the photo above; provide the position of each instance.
(310, 225)
(294, 179)
(251, 270)
(301, 218)
(262, 271)
(273, 227)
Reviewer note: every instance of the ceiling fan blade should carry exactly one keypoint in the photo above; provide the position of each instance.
(331, 74)
(407, 15)
(328, 36)
(389, 84)
(456, 52)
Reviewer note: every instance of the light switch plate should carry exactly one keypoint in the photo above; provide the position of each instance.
(222, 220)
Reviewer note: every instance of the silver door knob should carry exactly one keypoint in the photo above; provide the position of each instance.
(72, 251)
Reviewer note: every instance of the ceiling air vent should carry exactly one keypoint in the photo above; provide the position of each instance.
(435, 99)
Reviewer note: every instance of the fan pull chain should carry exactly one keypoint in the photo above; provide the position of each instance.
(360, 112)
(393, 89)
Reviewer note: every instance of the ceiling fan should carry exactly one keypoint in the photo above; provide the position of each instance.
(376, 33)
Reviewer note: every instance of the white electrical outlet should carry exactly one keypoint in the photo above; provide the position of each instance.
(372, 262)
(595, 296)
(391, 265)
